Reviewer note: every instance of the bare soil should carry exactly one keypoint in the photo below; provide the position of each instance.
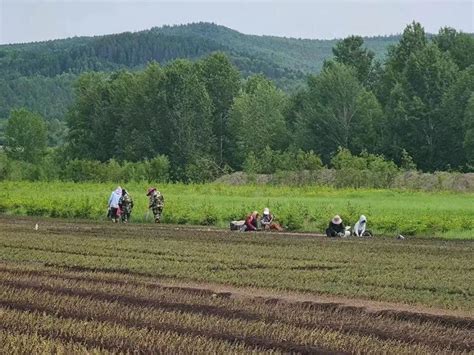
(399, 326)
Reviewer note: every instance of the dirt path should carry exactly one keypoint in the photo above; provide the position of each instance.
(30, 222)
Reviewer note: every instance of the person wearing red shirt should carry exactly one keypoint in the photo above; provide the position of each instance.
(251, 222)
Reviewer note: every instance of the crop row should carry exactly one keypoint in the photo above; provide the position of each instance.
(104, 312)
(309, 208)
(148, 292)
(434, 273)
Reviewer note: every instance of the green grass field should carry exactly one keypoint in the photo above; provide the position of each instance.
(441, 214)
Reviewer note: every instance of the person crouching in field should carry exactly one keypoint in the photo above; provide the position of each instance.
(156, 203)
(336, 228)
(251, 222)
(126, 206)
(360, 228)
(268, 222)
(114, 208)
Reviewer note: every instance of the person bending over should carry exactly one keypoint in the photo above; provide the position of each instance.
(336, 228)
(251, 222)
(360, 228)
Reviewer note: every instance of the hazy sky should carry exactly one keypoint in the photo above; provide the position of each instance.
(34, 20)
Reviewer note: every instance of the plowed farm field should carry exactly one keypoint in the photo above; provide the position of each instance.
(82, 287)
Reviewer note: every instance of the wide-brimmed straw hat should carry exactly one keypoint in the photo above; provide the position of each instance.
(337, 219)
(266, 210)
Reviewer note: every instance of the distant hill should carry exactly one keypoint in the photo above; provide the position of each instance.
(305, 55)
(40, 75)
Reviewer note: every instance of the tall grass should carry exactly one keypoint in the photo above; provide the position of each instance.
(437, 214)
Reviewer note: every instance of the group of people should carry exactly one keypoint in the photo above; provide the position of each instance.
(253, 222)
(337, 228)
(120, 205)
(120, 208)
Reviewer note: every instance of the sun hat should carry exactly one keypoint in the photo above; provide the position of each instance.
(337, 219)
(150, 190)
(266, 210)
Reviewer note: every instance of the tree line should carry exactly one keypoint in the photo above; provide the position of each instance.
(417, 106)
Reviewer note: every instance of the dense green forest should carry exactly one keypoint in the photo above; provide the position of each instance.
(39, 75)
(200, 119)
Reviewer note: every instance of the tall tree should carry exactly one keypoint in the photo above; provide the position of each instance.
(26, 136)
(337, 112)
(129, 114)
(257, 119)
(97, 115)
(452, 115)
(222, 81)
(459, 45)
(87, 136)
(350, 51)
(187, 122)
(414, 106)
(142, 133)
(413, 40)
(469, 132)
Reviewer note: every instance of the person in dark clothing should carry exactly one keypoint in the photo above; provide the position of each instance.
(267, 219)
(336, 228)
(268, 222)
(156, 203)
(126, 206)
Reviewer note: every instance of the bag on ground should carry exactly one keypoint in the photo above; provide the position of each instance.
(236, 225)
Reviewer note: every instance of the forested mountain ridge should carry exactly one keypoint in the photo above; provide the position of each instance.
(306, 55)
(166, 43)
(32, 74)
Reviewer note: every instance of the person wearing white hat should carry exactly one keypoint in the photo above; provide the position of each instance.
(336, 228)
(113, 205)
(267, 218)
(268, 222)
(360, 228)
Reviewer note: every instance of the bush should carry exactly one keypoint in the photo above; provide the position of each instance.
(308, 161)
(15, 170)
(159, 169)
(271, 161)
(203, 169)
(51, 168)
(365, 170)
(3, 166)
(85, 170)
(251, 165)
(113, 171)
(156, 169)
